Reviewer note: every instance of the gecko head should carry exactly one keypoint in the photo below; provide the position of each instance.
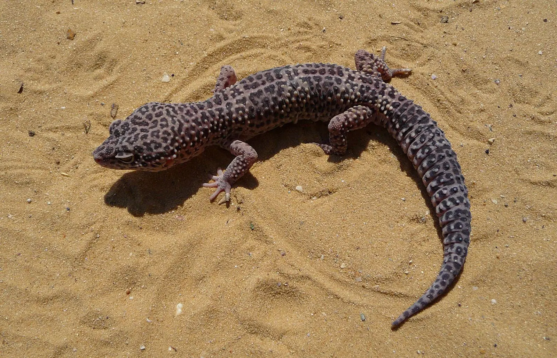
(147, 140)
(128, 147)
(118, 151)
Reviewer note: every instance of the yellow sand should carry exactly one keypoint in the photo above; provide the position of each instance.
(97, 262)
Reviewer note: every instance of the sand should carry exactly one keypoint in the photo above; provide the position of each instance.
(97, 262)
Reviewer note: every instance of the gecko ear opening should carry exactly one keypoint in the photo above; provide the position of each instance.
(125, 157)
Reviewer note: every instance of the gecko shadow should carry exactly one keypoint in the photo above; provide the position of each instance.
(160, 192)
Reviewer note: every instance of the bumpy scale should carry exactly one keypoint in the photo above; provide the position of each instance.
(157, 136)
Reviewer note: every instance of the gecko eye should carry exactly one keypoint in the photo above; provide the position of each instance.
(125, 157)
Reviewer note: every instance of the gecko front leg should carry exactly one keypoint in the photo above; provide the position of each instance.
(245, 157)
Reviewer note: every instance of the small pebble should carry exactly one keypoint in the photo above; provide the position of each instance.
(70, 34)
(342, 265)
(491, 140)
(29, 201)
(497, 82)
(31, 133)
(362, 317)
(493, 301)
(299, 188)
(434, 77)
(179, 309)
(444, 19)
(142, 347)
(165, 77)
(540, 52)
(524, 219)
(86, 125)
(114, 110)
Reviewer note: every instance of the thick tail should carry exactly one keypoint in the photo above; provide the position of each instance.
(434, 159)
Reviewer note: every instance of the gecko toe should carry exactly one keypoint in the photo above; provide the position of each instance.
(220, 184)
(328, 149)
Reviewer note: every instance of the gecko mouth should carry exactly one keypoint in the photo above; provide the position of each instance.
(103, 162)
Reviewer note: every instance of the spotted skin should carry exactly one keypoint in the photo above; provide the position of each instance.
(158, 136)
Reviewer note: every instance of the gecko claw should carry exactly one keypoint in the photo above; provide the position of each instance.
(225, 200)
(221, 185)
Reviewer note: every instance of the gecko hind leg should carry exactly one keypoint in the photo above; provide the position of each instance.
(354, 118)
(376, 65)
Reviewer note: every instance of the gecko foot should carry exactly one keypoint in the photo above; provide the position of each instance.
(221, 184)
(328, 149)
(376, 65)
